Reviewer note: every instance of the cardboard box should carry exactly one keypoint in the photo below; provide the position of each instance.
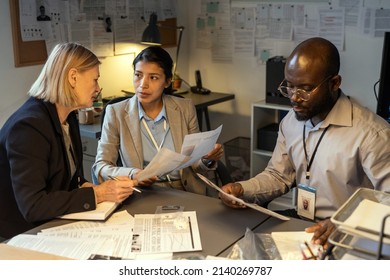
(8, 252)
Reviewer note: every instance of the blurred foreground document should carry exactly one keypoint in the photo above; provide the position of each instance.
(197, 145)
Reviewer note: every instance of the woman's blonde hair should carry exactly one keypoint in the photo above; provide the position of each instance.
(52, 84)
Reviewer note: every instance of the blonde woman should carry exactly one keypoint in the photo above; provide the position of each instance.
(40, 146)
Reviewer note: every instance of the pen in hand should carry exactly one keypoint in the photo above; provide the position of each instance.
(310, 251)
(116, 179)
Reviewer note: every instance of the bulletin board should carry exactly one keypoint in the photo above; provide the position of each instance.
(28, 53)
(25, 53)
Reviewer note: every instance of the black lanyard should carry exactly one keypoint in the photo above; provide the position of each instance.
(315, 150)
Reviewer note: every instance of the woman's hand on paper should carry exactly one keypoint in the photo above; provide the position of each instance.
(114, 190)
(234, 189)
(322, 231)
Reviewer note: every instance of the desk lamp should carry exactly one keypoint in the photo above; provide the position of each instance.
(151, 36)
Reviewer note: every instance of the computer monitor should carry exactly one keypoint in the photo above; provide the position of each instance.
(383, 106)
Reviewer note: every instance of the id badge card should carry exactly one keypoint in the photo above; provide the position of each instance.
(306, 201)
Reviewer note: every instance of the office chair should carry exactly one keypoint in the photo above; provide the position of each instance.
(112, 101)
(223, 176)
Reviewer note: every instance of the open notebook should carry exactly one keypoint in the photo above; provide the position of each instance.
(102, 211)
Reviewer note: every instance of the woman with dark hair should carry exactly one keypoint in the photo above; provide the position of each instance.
(40, 146)
(137, 128)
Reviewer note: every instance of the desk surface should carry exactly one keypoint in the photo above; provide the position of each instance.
(220, 227)
(272, 224)
(8, 252)
(205, 100)
(201, 100)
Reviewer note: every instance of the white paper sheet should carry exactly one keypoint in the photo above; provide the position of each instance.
(239, 200)
(194, 147)
(74, 248)
(197, 145)
(366, 220)
(116, 222)
(167, 232)
(164, 162)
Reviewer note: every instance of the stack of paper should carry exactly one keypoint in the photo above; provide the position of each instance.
(80, 240)
(154, 236)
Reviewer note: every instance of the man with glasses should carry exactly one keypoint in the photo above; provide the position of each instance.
(328, 146)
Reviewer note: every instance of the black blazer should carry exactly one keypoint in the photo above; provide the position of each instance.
(36, 185)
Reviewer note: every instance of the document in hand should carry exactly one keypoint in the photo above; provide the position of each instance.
(239, 200)
(194, 147)
(163, 163)
(197, 145)
(102, 211)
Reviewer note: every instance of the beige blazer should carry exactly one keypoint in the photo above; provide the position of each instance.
(121, 134)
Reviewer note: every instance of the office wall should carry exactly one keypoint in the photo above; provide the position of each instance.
(14, 82)
(116, 72)
(360, 69)
(244, 77)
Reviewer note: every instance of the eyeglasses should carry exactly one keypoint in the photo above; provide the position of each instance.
(299, 92)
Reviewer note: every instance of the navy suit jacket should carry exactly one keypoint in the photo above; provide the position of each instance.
(36, 184)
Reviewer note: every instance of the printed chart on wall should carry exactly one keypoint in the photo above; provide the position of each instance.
(255, 28)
